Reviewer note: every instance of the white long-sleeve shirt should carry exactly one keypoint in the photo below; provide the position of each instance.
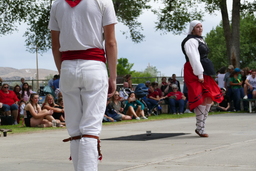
(191, 49)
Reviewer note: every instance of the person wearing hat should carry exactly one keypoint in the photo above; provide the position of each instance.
(225, 104)
(236, 86)
(198, 72)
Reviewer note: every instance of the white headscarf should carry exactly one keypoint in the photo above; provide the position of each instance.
(192, 25)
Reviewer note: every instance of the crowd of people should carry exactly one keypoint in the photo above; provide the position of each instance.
(22, 101)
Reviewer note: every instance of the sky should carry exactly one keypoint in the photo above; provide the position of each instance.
(161, 51)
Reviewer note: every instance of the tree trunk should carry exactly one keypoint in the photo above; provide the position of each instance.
(226, 28)
(235, 46)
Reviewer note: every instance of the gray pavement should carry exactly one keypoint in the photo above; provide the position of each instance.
(231, 146)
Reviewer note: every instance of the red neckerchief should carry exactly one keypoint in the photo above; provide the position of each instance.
(73, 3)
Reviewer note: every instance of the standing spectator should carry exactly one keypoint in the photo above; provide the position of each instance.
(56, 83)
(128, 79)
(198, 69)
(22, 80)
(246, 73)
(50, 82)
(78, 48)
(220, 77)
(227, 81)
(163, 85)
(175, 81)
(10, 102)
(250, 83)
(225, 104)
(236, 86)
(185, 92)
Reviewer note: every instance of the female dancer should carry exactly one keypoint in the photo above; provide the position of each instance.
(198, 69)
(34, 116)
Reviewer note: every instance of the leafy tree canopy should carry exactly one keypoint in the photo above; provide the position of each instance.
(216, 42)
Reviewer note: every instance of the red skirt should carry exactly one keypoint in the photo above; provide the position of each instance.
(197, 91)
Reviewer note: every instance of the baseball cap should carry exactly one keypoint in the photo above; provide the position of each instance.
(237, 70)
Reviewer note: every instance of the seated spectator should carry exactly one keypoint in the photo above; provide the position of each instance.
(152, 99)
(176, 99)
(17, 90)
(9, 102)
(134, 107)
(116, 102)
(34, 116)
(25, 92)
(111, 115)
(147, 84)
(236, 86)
(125, 91)
(168, 88)
(250, 83)
(156, 88)
(225, 104)
(58, 112)
(22, 105)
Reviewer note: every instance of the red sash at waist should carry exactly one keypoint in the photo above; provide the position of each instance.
(89, 54)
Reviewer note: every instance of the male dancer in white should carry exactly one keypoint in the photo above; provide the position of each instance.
(77, 28)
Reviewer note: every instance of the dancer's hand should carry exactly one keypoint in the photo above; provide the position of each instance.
(201, 80)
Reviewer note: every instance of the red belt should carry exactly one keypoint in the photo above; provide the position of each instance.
(88, 136)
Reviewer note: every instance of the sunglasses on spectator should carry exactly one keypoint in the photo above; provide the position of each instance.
(116, 94)
(5, 87)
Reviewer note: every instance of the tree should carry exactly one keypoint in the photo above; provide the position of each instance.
(124, 67)
(35, 13)
(176, 13)
(215, 40)
(152, 70)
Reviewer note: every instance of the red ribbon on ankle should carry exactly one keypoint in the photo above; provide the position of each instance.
(73, 3)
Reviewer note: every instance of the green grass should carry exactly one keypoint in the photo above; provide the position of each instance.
(18, 129)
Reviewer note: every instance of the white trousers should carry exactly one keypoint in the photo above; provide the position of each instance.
(84, 85)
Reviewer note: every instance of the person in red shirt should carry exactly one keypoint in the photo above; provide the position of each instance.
(176, 98)
(152, 99)
(9, 102)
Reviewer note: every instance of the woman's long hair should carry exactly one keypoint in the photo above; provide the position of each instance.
(23, 90)
(46, 101)
(31, 97)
